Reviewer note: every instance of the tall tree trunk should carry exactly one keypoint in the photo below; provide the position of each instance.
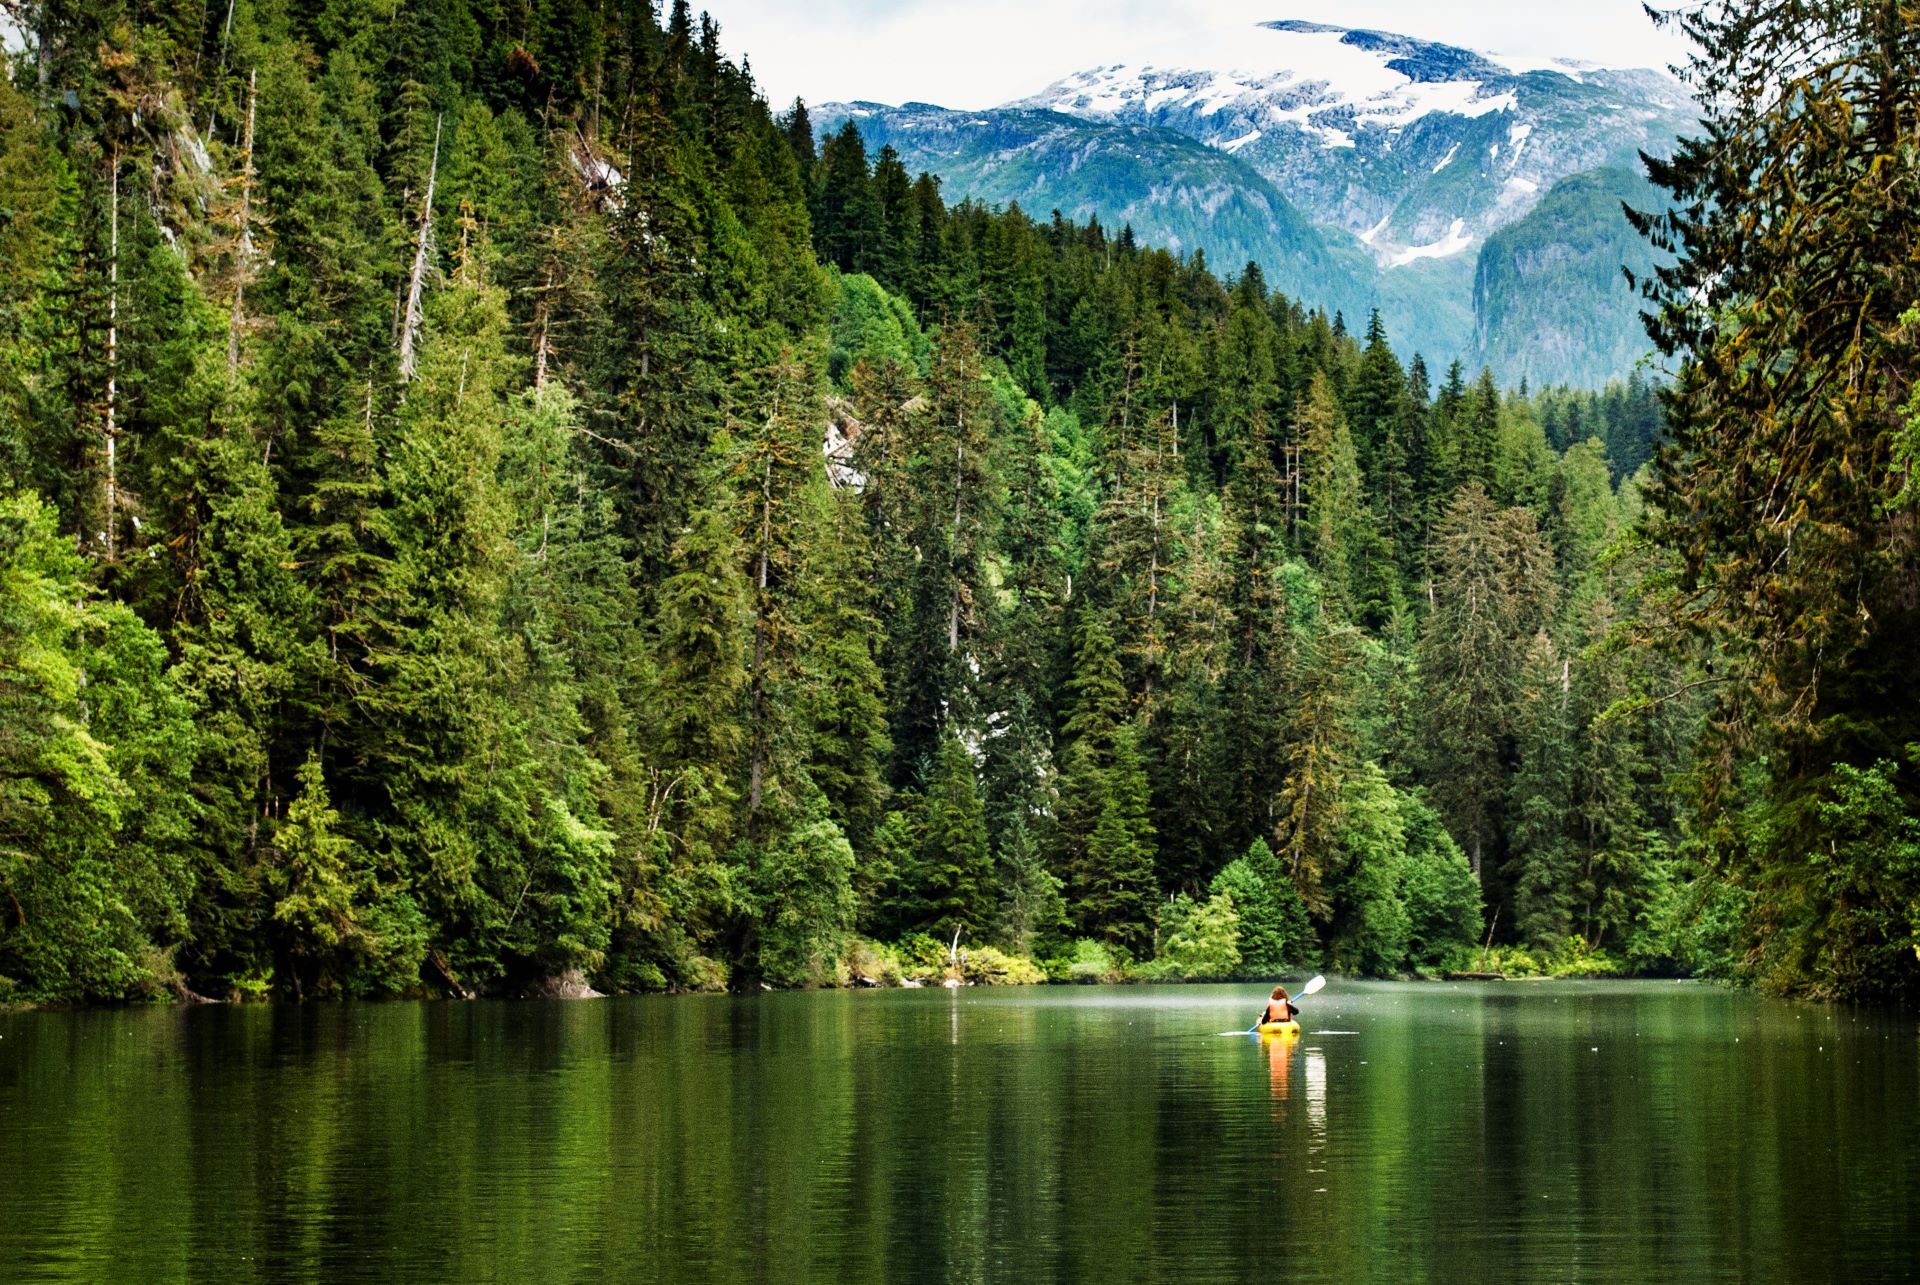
(757, 767)
(959, 476)
(416, 280)
(113, 352)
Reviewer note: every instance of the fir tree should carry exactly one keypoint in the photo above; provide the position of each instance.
(953, 876)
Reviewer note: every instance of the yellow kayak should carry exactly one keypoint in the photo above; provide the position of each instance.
(1279, 1028)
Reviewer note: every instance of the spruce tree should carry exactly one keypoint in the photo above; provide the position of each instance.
(1117, 892)
(953, 873)
(1539, 799)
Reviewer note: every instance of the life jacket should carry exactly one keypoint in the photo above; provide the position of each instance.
(1284, 1011)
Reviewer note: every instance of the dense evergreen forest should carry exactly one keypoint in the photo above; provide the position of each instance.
(489, 507)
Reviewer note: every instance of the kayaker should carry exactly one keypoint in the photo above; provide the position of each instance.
(1279, 1008)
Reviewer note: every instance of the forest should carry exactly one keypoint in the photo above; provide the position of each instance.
(491, 506)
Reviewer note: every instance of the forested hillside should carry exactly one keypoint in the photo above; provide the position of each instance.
(489, 507)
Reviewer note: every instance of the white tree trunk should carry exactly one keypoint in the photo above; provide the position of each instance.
(113, 355)
(416, 281)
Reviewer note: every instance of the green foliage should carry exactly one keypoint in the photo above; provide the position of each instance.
(952, 877)
(804, 890)
(1370, 926)
(985, 966)
(871, 325)
(1437, 887)
(1119, 863)
(1033, 911)
(1092, 960)
(1199, 940)
(560, 648)
(96, 830)
(1275, 934)
(1783, 498)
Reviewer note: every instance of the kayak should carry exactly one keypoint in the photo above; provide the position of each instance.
(1279, 1028)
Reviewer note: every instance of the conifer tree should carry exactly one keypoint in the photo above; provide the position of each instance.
(1317, 758)
(1137, 551)
(1032, 909)
(1539, 799)
(847, 216)
(953, 875)
(702, 679)
(1275, 934)
(1336, 515)
(1788, 490)
(775, 469)
(315, 882)
(1098, 708)
(804, 889)
(1493, 592)
(1117, 884)
(846, 709)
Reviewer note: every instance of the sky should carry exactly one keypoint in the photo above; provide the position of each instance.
(980, 53)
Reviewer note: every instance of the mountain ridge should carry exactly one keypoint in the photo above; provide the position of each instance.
(1402, 157)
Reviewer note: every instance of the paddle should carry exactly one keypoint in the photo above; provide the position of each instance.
(1311, 988)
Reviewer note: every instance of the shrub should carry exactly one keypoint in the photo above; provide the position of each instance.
(1198, 940)
(1437, 887)
(1093, 960)
(985, 966)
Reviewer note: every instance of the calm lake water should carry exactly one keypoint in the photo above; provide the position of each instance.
(1526, 1132)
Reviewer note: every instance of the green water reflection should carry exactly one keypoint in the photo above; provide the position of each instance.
(1527, 1132)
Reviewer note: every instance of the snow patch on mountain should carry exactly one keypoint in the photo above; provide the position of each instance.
(1291, 71)
(1446, 247)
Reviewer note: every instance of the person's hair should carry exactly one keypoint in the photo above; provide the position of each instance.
(1279, 992)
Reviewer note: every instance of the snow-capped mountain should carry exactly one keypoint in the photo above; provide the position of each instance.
(1473, 198)
(1419, 149)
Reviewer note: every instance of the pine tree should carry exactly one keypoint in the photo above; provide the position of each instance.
(1374, 398)
(1369, 929)
(656, 341)
(846, 708)
(315, 882)
(1032, 909)
(1539, 800)
(1336, 515)
(1317, 758)
(776, 465)
(1494, 589)
(804, 890)
(1117, 893)
(848, 221)
(702, 679)
(1136, 550)
(953, 875)
(1478, 432)
(1098, 708)
(1275, 934)
(1787, 493)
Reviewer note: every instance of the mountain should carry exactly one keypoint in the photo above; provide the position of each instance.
(1173, 190)
(1548, 295)
(1391, 166)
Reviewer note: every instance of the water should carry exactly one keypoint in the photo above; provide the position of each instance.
(1574, 1132)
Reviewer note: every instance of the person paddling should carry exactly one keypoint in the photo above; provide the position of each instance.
(1280, 1008)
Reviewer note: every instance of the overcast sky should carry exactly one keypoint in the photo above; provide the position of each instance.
(980, 53)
